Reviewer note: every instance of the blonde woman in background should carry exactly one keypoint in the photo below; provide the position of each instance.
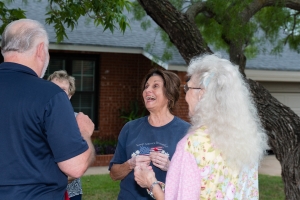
(67, 84)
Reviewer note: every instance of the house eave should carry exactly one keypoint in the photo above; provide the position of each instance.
(181, 68)
(91, 48)
(273, 76)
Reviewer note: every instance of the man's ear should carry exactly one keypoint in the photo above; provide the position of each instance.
(40, 51)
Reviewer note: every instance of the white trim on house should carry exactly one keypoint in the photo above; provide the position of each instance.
(181, 68)
(271, 75)
(90, 48)
(157, 61)
(259, 75)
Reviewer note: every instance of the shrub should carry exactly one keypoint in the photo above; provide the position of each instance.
(133, 113)
(104, 147)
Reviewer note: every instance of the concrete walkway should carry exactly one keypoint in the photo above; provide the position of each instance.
(269, 166)
(97, 170)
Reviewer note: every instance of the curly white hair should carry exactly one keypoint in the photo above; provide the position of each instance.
(228, 110)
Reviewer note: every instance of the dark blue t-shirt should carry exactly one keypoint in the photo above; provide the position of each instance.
(37, 130)
(137, 137)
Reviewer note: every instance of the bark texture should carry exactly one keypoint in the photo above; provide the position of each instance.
(283, 128)
(176, 25)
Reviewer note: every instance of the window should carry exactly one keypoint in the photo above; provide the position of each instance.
(84, 69)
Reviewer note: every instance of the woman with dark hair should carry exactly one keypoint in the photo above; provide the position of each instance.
(150, 140)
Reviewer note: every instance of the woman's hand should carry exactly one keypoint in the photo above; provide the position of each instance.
(144, 175)
(70, 179)
(139, 160)
(160, 160)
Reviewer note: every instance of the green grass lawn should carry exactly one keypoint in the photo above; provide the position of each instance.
(101, 187)
(270, 187)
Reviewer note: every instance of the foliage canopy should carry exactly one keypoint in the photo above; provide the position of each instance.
(65, 14)
(246, 23)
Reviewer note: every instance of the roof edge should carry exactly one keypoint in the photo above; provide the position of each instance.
(91, 48)
(157, 61)
(272, 75)
(181, 68)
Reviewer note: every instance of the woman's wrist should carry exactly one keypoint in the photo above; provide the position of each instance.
(150, 181)
(155, 186)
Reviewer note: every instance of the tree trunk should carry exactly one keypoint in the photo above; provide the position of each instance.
(282, 125)
(176, 24)
(237, 57)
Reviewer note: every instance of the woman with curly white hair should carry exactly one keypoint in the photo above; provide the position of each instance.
(219, 157)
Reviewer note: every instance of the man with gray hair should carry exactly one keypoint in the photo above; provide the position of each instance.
(40, 141)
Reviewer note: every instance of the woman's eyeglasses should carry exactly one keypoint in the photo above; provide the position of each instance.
(186, 88)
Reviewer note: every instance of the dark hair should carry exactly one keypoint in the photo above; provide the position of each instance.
(171, 85)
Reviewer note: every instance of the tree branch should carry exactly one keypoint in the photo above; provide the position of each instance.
(236, 49)
(194, 10)
(176, 25)
(292, 4)
(257, 5)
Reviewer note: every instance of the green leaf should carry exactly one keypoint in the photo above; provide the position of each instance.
(133, 113)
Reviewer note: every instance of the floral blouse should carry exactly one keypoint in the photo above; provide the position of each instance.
(74, 188)
(198, 171)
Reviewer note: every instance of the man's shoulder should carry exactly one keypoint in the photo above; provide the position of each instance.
(46, 87)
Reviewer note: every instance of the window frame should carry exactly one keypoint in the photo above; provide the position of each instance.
(69, 58)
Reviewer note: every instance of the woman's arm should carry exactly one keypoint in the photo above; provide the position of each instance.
(120, 171)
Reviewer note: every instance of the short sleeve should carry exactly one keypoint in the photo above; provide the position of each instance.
(183, 177)
(61, 129)
(120, 155)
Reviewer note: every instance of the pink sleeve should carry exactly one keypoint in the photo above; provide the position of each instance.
(183, 177)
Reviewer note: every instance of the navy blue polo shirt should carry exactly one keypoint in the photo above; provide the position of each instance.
(37, 130)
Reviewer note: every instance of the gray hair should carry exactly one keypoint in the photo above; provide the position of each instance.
(63, 75)
(228, 111)
(22, 35)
